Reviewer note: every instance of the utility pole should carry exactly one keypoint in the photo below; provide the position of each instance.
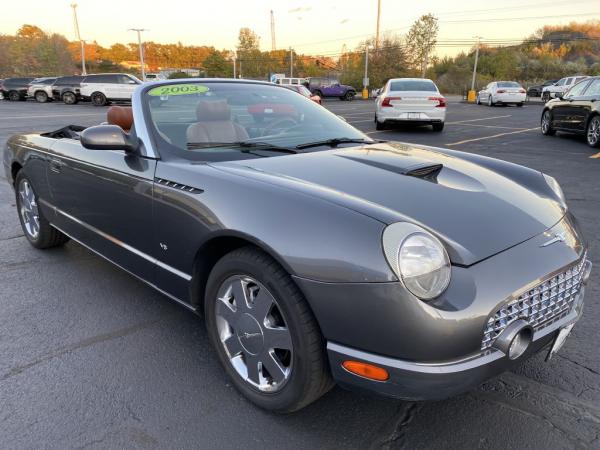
(81, 43)
(273, 47)
(425, 64)
(291, 63)
(234, 63)
(475, 65)
(378, 17)
(139, 35)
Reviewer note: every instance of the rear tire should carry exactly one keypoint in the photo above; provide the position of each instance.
(437, 126)
(41, 97)
(243, 340)
(519, 105)
(349, 96)
(14, 96)
(545, 97)
(592, 132)
(36, 228)
(379, 126)
(69, 98)
(546, 124)
(98, 99)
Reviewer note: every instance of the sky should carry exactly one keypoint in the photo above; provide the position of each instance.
(309, 26)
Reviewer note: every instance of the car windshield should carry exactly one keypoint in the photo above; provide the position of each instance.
(508, 84)
(413, 85)
(197, 120)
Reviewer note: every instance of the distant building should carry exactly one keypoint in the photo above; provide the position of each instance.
(133, 65)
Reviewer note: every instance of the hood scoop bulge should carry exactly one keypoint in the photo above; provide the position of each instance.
(425, 170)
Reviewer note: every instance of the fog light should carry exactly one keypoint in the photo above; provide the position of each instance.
(366, 370)
(515, 339)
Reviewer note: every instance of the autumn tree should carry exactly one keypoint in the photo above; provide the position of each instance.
(421, 40)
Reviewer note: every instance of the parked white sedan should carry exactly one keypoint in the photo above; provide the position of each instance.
(410, 101)
(502, 92)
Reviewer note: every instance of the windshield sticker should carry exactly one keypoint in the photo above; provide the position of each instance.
(177, 89)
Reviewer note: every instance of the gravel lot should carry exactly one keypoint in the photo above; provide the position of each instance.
(92, 358)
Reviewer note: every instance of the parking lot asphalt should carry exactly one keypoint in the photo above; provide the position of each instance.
(93, 358)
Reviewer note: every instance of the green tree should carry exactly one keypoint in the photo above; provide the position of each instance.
(421, 40)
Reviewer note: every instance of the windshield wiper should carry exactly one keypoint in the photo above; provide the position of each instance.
(242, 146)
(336, 141)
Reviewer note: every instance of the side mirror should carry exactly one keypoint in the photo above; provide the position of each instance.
(108, 137)
(559, 95)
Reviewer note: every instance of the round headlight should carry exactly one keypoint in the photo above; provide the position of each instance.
(418, 258)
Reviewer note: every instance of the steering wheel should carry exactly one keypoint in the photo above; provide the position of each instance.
(283, 123)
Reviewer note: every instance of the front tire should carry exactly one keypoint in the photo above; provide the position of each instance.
(98, 99)
(478, 100)
(36, 228)
(490, 101)
(349, 96)
(592, 132)
(545, 97)
(69, 98)
(264, 332)
(546, 124)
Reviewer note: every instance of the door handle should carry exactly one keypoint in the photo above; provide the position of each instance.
(56, 165)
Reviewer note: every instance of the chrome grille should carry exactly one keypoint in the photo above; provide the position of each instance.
(540, 306)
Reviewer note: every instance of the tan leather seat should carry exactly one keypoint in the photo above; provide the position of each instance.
(121, 116)
(215, 124)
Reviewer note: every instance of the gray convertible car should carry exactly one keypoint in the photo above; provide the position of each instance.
(315, 254)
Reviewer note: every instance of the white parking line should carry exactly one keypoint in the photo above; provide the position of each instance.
(488, 126)
(493, 136)
(477, 120)
(360, 121)
(54, 115)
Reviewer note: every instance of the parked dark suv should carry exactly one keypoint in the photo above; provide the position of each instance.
(67, 89)
(327, 87)
(15, 89)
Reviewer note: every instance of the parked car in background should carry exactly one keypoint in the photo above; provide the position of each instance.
(155, 77)
(103, 88)
(410, 101)
(561, 86)
(67, 89)
(303, 90)
(502, 93)
(286, 81)
(575, 111)
(326, 87)
(314, 254)
(15, 89)
(41, 89)
(536, 91)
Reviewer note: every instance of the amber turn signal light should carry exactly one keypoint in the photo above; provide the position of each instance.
(366, 370)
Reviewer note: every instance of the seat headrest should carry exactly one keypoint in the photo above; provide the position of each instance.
(121, 116)
(212, 110)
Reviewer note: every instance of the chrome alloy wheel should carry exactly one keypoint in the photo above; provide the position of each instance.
(254, 333)
(29, 209)
(546, 119)
(593, 132)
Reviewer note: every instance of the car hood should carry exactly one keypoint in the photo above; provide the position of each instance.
(476, 210)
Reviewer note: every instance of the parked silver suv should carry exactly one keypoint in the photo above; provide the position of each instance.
(41, 89)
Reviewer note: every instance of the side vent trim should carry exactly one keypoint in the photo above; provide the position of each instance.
(178, 186)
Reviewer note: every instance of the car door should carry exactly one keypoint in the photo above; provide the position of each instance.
(103, 199)
(126, 87)
(112, 86)
(575, 108)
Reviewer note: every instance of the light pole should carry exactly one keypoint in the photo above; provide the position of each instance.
(81, 43)
(365, 92)
(139, 35)
(291, 63)
(234, 64)
(378, 17)
(475, 65)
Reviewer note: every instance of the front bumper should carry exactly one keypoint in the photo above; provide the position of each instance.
(410, 380)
